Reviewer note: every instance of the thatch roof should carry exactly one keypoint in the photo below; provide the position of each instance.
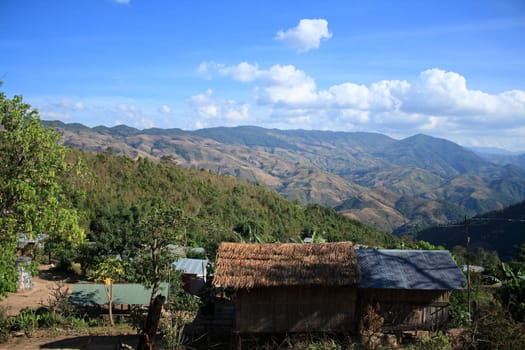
(245, 266)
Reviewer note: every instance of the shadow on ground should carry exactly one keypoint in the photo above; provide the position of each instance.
(56, 275)
(92, 342)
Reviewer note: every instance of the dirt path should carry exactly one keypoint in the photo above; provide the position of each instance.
(43, 285)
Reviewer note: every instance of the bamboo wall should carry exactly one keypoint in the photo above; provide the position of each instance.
(407, 309)
(295, 309)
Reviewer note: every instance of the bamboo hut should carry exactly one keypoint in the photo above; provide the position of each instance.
(410, 289)
(290, 287)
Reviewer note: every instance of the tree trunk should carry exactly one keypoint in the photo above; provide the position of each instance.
(147, 335)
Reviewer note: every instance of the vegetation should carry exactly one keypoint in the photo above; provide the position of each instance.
(32, 200)
(130, 210)
(500, 231)
(405, 184)
(121, 193)
(108, 271)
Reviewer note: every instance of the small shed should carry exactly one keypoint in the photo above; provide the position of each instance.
(290, 287)
(409, 288)
(193, 273)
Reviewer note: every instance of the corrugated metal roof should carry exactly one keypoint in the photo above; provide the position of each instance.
(409, 269)
(192, 266)
(123, 293)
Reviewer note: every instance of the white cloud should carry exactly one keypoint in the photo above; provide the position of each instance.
(67, 104)
(135, 116)
(54, 115)
(122, 1)
(242, 72)
(165, 109)
(439, 102)
(286, 85)
(306, 35)
(280, 85)
(208, 107)
(446, 94)
(199, 125)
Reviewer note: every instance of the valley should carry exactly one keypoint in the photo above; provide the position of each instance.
(397, 186)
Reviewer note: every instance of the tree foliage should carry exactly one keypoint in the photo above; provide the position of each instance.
(161, 225)
(32, 200)
(109, 271)
(218, 208)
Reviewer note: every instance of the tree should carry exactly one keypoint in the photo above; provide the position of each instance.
(108, 271)
(32, 200)
(162, 225)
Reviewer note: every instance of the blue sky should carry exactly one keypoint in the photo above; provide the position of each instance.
(451, 69)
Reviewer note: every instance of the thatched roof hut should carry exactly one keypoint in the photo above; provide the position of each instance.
(246, 266)
(290, 287)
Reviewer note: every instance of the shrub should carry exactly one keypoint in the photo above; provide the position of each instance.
(47, 318)
(495, 329)
(459, 315)
(137, 317)
(317, 345)
(5, 325)
(27, 321)
(57, 303)
(75, 322)
(437, 342)
(96, 322)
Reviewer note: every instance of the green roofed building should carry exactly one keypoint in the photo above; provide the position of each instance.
(84, 294)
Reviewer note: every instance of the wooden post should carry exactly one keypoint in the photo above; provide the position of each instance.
(467, 242)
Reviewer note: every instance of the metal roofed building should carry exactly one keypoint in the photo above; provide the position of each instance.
(409, 269)
(193, 273)
(84, 294)
(192, 266)
(410, 288)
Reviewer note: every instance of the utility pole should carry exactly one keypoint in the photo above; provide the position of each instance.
(467, 242)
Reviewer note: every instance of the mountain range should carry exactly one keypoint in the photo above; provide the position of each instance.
(395, 185)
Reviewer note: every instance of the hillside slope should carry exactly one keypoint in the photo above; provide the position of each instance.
(501, 231)
(396, 185)
(221, 208)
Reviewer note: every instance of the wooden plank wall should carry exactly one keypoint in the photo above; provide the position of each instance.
(296, 309)
(407, 309)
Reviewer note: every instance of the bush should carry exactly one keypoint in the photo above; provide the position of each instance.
(27, 321)
(75, 322)
(5, 325)
(96, 322)
(495, 329)
(317, 345)
(437, 342)
(458, 310)
(57, 303)
(47, 318)
(137, 317)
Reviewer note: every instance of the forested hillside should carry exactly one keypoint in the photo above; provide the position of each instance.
(220, 208)
(502, 231)
(395, 185)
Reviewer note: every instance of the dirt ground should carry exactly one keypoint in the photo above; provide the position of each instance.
(92, 338)
(43, 285)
